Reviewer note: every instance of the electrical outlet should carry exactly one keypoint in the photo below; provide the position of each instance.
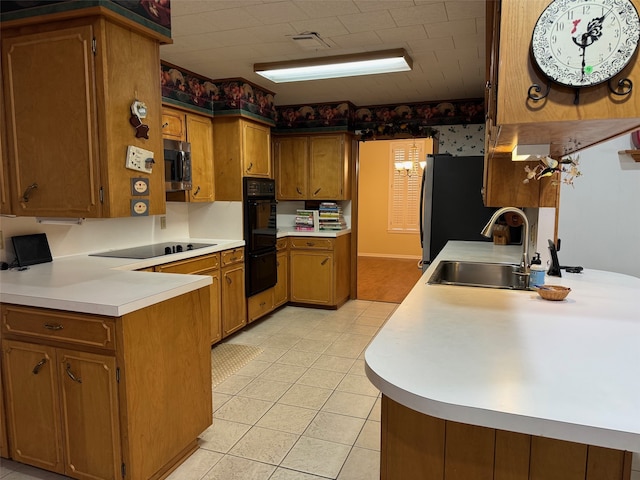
(163, 223)
(1, 240)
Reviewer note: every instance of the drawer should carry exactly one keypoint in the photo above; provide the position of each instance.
(260, 304)
(281, 244)
(314, 243)
(230, 257)
(195, 265)
(73, 328)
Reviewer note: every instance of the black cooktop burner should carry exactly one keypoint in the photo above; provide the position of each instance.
(150, 251)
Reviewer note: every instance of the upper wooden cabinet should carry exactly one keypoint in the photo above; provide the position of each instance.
(242, 148)
(68, 89)
(503, 184)
(198, 131)
(513, 118)
(313, 167)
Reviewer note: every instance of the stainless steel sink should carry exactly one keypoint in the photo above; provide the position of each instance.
(478, 274)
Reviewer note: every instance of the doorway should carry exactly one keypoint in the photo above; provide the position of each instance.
(387, 253)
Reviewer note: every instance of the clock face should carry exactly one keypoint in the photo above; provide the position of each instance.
(579, 43)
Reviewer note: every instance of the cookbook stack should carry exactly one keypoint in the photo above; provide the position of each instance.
(330, 217)
(305, 221)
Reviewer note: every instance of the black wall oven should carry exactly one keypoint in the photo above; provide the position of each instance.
(259, 199)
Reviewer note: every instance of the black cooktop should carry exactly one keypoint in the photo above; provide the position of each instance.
(150, 251)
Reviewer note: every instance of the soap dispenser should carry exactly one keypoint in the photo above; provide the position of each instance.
(536, 272)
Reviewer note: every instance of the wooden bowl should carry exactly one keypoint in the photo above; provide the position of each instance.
(553, 292)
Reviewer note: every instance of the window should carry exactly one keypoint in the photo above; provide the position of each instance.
(404, 188)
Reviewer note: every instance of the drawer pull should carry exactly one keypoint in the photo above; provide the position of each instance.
(53, 326)
(310, 244)
(71, 375)
(324, 261)
(39, 365)
(233, 259)
(262, 304)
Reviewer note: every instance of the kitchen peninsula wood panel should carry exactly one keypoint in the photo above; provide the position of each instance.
(415, 445)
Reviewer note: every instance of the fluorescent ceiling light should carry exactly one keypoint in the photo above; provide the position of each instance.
(368, 63)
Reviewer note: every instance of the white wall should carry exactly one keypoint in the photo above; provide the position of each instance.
(599, 221)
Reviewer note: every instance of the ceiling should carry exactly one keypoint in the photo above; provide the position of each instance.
(221, 39)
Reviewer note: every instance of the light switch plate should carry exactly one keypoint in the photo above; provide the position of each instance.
(139, 186)
(139, 207)
(139, 159)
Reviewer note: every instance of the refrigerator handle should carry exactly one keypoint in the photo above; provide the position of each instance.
(422, 211)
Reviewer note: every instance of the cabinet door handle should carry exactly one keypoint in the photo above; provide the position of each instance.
(53, 326)
(71, 375)
(39, 365)
(324, 261)
(250, 167)
(317, 191)
(165, 124)
(229, 281)
(298, 190)
(197, 191)
(27, 191)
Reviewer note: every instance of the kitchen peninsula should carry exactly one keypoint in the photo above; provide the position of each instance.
(99, 362)
(500, 384)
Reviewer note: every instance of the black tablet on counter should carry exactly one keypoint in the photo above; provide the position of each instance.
(31, 249)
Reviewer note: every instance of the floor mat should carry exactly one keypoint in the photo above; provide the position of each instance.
(228, 358)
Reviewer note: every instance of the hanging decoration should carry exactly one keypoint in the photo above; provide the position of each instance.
(567, 166)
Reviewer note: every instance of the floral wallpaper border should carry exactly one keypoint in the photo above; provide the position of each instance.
(227, 96)
(154, 14)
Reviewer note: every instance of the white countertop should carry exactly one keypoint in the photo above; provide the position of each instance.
(292, 232)
(510, 360)
(103, 285)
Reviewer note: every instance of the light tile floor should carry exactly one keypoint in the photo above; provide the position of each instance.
(301, 410)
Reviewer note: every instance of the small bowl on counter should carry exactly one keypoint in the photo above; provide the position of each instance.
(553, 292)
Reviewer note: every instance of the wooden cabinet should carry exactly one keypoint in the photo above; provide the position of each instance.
(85, 393)
(68, 88)
(234, 309)
(62, 404)
(260, 304)
(5, 196)
(242, 148)
(281, 290)
(566, 122)
(265, 302)
(503, 184)
(313, 167)
(203, 265)
(457, 451)
(198, 131)
(320, 270)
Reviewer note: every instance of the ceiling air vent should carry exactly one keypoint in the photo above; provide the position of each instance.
(309, 41)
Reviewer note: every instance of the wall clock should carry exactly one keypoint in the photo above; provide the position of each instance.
(581, 43)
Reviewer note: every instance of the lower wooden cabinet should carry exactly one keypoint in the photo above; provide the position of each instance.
(281, 290)
(234, 308)
(63, 410)
(415, 445)
(99, 397)
(260, 304)
(203, 265)
(320, 270)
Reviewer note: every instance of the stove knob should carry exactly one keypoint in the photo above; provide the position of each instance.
(167, 250)
(189, 247)
(178, 248)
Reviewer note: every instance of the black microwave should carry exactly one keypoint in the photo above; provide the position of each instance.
(177, 165)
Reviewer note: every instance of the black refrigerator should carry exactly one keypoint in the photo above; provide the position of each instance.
(451, 206)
